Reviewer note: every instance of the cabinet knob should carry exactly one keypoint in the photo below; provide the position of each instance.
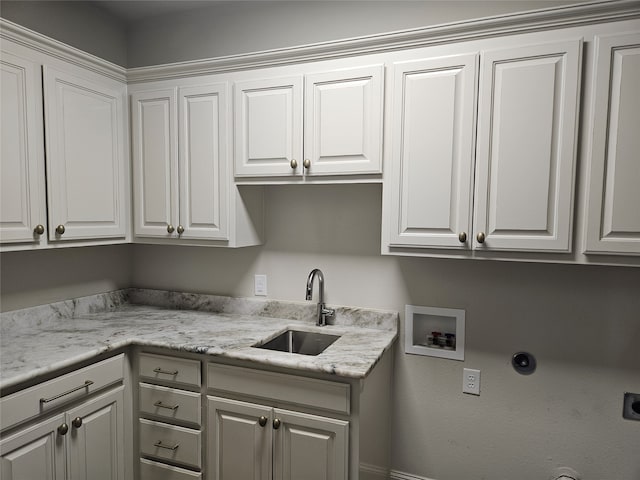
(293, 163)
(63, 429)
(481, 237)
(39, 230)
(60, 229)
(462, 237)
(276, 423)
(262, 421)
(180, 230)
(306, 163)
(76, 422)
(170, 228)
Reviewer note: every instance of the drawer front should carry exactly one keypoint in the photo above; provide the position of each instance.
(298, 390)
(72, 386)
(150, 470)
(169, 442)
(169, 369)
(170, 403)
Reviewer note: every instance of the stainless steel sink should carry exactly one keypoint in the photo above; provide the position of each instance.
(303, 343)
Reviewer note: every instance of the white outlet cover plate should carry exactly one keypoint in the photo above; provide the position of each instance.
(471, 381)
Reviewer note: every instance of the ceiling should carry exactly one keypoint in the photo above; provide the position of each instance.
(132, 10)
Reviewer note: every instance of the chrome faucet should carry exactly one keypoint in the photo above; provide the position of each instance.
(323, 312)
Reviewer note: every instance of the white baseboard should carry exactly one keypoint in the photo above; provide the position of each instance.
(396, 475)
(373, 472)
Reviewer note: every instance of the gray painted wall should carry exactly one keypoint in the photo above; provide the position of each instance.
(249, 26)
(83, 25)
(582, 322)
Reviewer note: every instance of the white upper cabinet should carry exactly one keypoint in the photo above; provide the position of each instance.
(343, 122)
(268, 127)
(78, 117)
(613, 199)
(432, 167)
(342, 127)
(182, 180)
(202, 161)
(22, 190)
(155, 162)
(86, 157)
(526, 147)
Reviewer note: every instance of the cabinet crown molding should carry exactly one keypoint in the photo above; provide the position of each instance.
(530, 21)
(37, 41)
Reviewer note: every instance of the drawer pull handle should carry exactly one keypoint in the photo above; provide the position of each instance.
(84, 385)
(165, 372)
(159, 444)
(168, 407)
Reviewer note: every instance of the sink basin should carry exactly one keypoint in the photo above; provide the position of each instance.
(303, 343)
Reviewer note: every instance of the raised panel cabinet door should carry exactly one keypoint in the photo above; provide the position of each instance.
(432, 152)
(526, 147)
(37, 452)
(86, 156)
(613, 216)
(203, 161)
(239, 440)
(22, 191)
(310, 447)
(268, 127)
(155, 163)
(96, 438)
(343, 121)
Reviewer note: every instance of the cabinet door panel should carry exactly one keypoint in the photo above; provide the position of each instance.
(525, 165)
(343, 121)
(613, 221)
(203, 161)
(37, 452)
(22, 202)
(268, 126)
(310, 447)
(240, 447)
(433, 128)
(86, 157)
(155, 162)
(96, 448)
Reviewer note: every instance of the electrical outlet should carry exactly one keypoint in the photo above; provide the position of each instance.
(260, 285)
(471, 381)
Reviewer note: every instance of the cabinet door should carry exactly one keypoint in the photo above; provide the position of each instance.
(96, 443)
(526, 147)
(613, 219)
(203, 161)
(343, 121)
(432, 134)
(22, 190)
(268, 127)
(155, 163)
(240, 447)
(37, 452)
(310, 447)
(86, 156)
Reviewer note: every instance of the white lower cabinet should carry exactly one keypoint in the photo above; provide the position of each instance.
(258, 442)
(85, 442)
(169, 434)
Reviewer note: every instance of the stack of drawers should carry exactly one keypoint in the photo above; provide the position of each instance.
(170, 418)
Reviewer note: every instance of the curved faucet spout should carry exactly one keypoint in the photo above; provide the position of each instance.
(322, 312)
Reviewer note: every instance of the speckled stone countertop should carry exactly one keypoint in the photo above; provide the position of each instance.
(43, 339)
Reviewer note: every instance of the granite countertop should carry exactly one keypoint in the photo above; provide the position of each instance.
(40, 340)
